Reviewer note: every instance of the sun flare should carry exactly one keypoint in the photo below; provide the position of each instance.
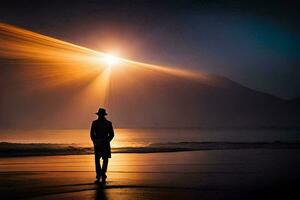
(111, 60)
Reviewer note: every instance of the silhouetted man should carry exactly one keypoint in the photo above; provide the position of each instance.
(101, 134)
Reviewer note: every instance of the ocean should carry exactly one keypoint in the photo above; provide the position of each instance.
(152, 164)
(77, 141)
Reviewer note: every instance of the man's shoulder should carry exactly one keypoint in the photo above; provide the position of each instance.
(109, 122)
(101, 121)
(105, 120)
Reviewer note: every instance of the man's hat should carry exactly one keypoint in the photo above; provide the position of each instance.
(101, 111)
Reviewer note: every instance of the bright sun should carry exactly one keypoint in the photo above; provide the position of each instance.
(111, 60)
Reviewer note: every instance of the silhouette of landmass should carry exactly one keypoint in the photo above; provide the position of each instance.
(146, 98)
(153, 99)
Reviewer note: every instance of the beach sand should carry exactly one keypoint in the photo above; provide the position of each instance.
(215, 174)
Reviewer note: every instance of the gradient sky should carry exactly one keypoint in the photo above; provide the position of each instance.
(254, 44)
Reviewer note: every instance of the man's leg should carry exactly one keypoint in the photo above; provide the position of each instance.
(104, 168)
(98, 166)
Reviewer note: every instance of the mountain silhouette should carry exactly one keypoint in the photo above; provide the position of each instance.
(149, 98)
(138, 97)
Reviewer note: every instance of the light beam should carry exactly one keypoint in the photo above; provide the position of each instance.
(53, 63)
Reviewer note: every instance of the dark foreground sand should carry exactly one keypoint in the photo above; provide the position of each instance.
(216, 174)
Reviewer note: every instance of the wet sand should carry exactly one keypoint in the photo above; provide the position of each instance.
(215, 174)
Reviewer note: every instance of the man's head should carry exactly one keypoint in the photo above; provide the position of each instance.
(101, 112)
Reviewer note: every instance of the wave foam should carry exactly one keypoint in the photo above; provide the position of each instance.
(38, 149)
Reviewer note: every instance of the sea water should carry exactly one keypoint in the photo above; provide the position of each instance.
(146, 137)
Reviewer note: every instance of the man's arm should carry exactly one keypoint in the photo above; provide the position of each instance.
(92, 132)
(111, 132)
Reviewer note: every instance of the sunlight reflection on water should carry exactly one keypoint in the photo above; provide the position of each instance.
(144, 137)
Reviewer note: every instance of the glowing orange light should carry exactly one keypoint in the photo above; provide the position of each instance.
(91, 78)
(111, 60)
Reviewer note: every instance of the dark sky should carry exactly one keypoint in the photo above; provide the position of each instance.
(255, 44)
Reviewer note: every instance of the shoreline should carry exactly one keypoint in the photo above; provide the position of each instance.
(48, 149)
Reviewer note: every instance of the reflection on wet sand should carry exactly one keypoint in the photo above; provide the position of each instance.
(200, 174)
(100, 192)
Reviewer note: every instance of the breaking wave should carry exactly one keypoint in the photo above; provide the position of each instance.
(39, 149)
